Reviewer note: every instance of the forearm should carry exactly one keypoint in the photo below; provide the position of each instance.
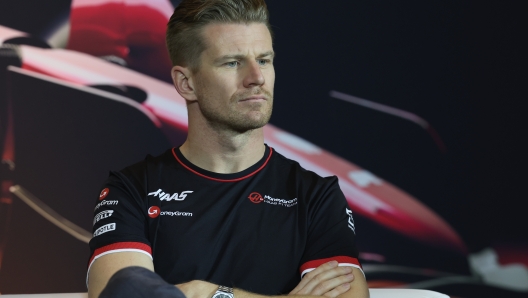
(356, 291)
(136, 281)
(312, 286)
(238, 293)
(358, 287)
(333, 281)
(106, 266)
(203, 289)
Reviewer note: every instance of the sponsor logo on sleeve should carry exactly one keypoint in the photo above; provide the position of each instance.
(102, 215)
(168, 197)
(104, 193)
(154, 211)
(350, 220)
(104, 229)
(257, 198)
(106, 203)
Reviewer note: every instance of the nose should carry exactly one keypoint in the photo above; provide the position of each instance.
(253, 76)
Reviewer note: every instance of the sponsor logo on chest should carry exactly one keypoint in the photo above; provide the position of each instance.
(257, 198)
(176, 213)
(164, 196)
(155, 211)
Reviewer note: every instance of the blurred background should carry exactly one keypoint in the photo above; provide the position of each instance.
(429, 97)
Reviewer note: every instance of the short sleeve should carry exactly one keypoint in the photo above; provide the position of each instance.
(120, 223)
(331, 230)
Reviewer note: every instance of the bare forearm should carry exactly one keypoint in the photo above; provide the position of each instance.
(203, 289)
(315, 284)
(356, 292)
(243, 294)
(358, 288)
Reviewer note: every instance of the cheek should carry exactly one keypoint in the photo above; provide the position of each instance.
(211, 86)
(270, 77)
(224, 83)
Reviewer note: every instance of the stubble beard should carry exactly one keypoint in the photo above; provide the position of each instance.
(234, 119)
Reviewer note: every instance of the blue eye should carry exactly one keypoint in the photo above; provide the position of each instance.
(232, 64)
(263, 62)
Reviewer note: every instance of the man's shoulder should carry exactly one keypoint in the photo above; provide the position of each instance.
(309, 186)
(136, 177)
(158, 161)
(137, 173)
(303, 173)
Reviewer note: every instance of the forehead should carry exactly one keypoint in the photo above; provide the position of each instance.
(246, 39)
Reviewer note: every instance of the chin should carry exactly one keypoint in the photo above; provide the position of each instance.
(249, 124)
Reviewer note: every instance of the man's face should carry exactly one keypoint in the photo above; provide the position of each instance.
(234, 83)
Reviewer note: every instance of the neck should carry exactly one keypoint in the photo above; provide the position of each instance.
(222, 151)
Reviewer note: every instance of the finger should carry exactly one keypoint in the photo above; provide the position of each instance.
(320, 280)
(327, 280)
(310, 275)
(338, 291)
(331, 284)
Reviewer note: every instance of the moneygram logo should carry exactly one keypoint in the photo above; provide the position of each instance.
(176, 213)
(153, 211)
(109, 203)
(104, 193)
(104, 229)
(168, 197)
(255, 197)
(102, 215)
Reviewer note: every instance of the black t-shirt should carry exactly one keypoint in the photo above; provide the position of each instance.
(257, 230)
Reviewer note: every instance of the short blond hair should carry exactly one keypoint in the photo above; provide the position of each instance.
(184, 40)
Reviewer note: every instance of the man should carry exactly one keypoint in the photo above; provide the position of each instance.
(224, 209)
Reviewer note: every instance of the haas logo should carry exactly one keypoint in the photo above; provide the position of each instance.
(255, 197)
(168, 197)
(154, 211)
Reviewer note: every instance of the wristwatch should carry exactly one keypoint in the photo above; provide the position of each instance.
(224, 292)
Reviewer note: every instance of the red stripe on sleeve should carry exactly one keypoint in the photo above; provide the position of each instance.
(340, 259)
(119, 246)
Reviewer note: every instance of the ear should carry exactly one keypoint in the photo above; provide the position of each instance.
(181, 78)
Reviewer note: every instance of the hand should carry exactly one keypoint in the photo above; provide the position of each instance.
(197, 289)
(326, 280)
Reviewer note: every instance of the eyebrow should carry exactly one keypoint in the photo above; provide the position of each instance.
(240, 57)
(266, 54)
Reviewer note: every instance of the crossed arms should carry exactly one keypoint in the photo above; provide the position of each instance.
(327, 280)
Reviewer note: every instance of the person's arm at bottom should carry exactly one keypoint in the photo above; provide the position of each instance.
(106, 266)
(358, 287)
(326, 280)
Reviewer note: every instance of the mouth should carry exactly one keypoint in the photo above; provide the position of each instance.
(255, 98)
